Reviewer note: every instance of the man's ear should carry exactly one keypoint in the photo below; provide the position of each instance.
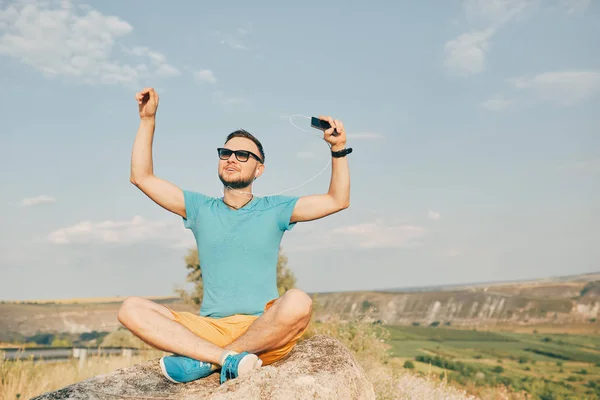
(259, 171)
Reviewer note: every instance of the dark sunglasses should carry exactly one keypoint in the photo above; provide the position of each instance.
(241, 155)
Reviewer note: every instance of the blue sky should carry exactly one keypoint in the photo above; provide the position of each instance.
(474, 127)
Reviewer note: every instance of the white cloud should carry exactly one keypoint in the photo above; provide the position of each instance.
(559, 88)
(434, 215)
(33, 201)
(576, 6)
(205, 75)
(369, 235)
(466, 53)
(136, 230)
(364, 135)
(497, 103)
(157, 60)
(378, 235)
(64, 39)
(565, 88)
(495, 13)
(236, 39)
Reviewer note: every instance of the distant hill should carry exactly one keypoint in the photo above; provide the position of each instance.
(73, 316)
(555, 300)
(587, 277)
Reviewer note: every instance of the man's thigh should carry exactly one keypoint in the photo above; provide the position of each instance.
(270, 356)
(215, 330)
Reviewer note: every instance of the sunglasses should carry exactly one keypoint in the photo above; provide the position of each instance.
(241, 155)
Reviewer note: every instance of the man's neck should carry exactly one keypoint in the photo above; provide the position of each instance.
(237, 198)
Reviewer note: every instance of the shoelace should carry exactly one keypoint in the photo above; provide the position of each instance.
(230, 366)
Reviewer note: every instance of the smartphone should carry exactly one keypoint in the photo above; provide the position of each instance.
(320, 124)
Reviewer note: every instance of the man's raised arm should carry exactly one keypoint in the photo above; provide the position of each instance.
(338, 196)
(163, 193)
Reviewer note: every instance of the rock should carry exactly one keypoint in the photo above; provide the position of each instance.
(318, 368)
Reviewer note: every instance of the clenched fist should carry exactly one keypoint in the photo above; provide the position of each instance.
(336, 135)
(147, 102)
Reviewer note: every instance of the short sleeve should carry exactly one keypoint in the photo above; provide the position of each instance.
(194, 202)
(285, 208)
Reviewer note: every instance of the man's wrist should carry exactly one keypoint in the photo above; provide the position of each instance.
(148, 120)
(338, 147)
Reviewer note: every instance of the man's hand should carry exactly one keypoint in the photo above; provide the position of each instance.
(337, 142)
(147, 102)
(337, 198)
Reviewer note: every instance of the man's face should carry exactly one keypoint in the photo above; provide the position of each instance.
(234, 173)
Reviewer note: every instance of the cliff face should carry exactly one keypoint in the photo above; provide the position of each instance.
(566, 303)
(317, 368)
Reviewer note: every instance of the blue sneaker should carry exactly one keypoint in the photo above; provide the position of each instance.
(238, 364)
(181, 369)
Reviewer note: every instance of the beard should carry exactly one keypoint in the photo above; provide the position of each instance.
(236, 183)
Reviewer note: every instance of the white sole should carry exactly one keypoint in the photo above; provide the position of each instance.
(249, 363)
(164, 371)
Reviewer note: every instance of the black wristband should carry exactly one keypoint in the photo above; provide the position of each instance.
(341, 153)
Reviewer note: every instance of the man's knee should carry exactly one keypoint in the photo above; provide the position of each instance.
(297, 306)
(127, 311)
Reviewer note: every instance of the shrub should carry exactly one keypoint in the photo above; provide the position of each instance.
(409, 364)
(42, 338)
(124, 338)
(523, 359)
(365, 340)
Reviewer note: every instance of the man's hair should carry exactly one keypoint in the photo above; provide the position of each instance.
(245, 134)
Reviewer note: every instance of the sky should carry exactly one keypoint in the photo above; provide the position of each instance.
(474, 125)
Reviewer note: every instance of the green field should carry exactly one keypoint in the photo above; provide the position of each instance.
(547, 366)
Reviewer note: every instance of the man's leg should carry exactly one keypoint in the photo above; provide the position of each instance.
(155, 325)
(287, 317)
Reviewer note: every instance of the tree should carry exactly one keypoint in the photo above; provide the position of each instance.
(285, 277)
(192, 263)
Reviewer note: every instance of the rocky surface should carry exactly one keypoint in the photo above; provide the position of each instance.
(318, 368)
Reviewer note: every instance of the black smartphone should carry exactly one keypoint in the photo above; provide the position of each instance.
(319, 124)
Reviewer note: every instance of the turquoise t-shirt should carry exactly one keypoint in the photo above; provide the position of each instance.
(238, 250)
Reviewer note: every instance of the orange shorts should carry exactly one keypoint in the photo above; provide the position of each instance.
(223, 331)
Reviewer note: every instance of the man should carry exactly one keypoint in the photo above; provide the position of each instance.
(243, 323)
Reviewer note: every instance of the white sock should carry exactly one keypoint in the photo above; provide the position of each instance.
(224, 355)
